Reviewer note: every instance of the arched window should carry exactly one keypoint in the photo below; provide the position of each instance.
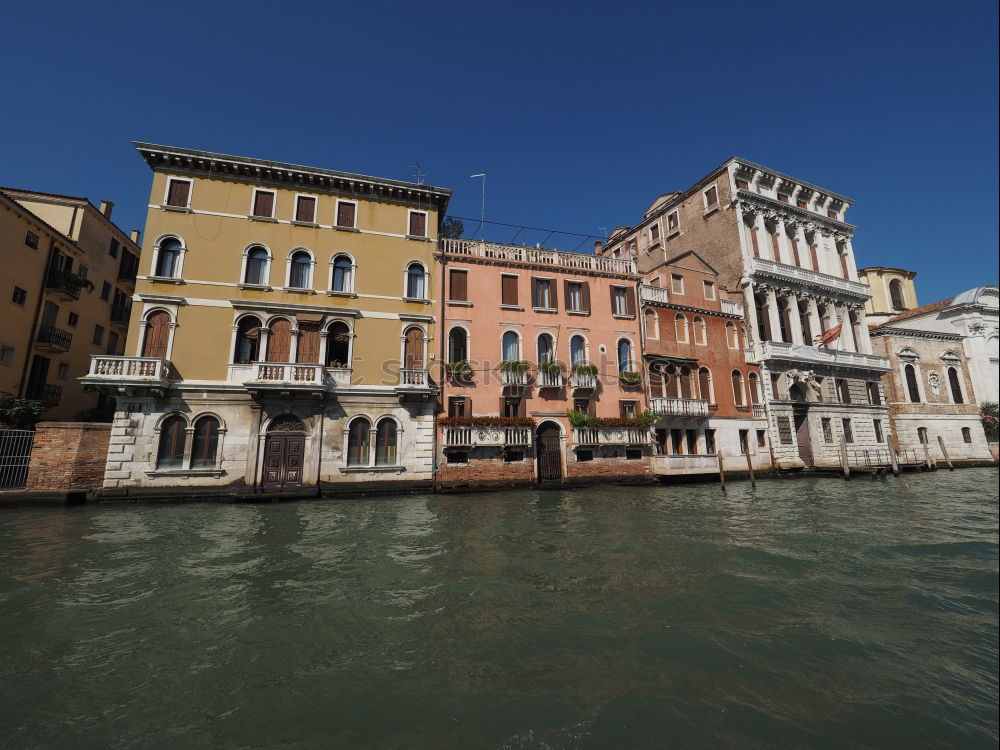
(357, 442)
(458, 345)
(738, 388)
(624, 355)
(205, 446)
(385, 443)
(300, 272)
(156, 337)
(732, 336)
(415, 281)
(681, 328)
(279, 340)
(896, 295)
(705, 384)
(955, 385)
(577, 351)
(700, 331)
(511, 346)
(338, 345)
(247, 340)
(546, 349)
(754, 384)
(343, 274)
(652, 323)
(168, 258)
(257, 262)
(173, 433)
(912, 390)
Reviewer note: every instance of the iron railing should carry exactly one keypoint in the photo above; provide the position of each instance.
(54, 337)
(15, 455)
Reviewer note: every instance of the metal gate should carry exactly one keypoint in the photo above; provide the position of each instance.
(549, 452)
(15, 453)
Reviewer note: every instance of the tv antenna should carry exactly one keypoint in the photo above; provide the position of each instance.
(418, 175)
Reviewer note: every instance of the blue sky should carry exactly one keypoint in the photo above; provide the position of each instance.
(580, 113)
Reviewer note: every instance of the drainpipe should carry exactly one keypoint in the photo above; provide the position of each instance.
(37, 324)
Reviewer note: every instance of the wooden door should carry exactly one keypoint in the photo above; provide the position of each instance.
(279, 341)
(157, 335)
(283, 460)
(802, 437)
(413, 349)
(308, 351)
(549, 453)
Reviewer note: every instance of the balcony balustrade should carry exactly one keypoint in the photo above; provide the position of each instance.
(471, 437)
(680, 407)
(51, 394)
(733, 308)
(550, 379)
(282, 374)
(410, 377)
(65, 284)
(758, 411)
(656, 295)
(823, 281)
(611, 436)
(128, 368)
(537, 256)
(583, 380)
(513, 378)
(54, 339)
(801, 352)
(120, 314)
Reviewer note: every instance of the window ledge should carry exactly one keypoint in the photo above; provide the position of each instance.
(712, 209)
(334, 293)
(185, 473)
(164, 280)
(365, 469)
(417, 237)
(671, 233)
(346, 229)
(519, 308)
(545, 309)
(578, 312)
(419, 300)
(258, 287)
(298, 290)
(178, 209)
(312, 224)
(458, 303)
(623, 317)
(266, 219)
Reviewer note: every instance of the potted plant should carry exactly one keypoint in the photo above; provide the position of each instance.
(460, 370)
(551, 368)
(515, 365)
(579, 418)
(629, 378)
(584, 369)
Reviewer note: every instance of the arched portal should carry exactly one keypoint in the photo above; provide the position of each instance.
(548, 451)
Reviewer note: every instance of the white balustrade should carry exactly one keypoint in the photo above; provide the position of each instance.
(733, 308)
(413, 377)
(513, 377)
(129, 368)
(286, 373)
(519, 253)
(813, 278)
(470, 436)
(583, 380)
(758, 411)
(654, 294)
(680, 407)
(783, 350)
(611, 436)
(550, 379)
(340, 376)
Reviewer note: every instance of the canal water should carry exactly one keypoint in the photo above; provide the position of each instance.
(805, 613)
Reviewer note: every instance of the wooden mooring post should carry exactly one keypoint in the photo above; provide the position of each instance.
(893, 461)
(944, 451)
(746, 452)
(722, 472)
(927, 458)
(843, 457)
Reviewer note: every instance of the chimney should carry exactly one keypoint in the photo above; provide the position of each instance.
(136, 236)
(598, 247)
(106, 208)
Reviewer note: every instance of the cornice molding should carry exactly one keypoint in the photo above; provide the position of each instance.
(751, 202)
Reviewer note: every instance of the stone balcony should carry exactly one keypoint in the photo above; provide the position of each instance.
(583, 380)
(730, 307)
(655, 295)
(817, 355)
(474, 437)
(550, 379)
(513, 379)
(680, 407)
(822, 281)
(537, 256)
(127, 375)
(611, 436)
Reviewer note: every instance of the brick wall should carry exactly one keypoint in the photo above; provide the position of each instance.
(68, 456)
(608, 463)
(485, 468)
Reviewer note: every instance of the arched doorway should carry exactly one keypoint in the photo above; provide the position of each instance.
(157, 334)
(548, 451)
(284, 448)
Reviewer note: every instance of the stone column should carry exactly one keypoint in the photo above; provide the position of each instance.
(772, 315)
(866, 342)
(750, 305)
(847, 331)
(814, 321)
(794, 319)
(832, 321)
(293, 345)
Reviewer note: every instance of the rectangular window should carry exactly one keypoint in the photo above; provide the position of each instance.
(710, 441)
(709, 290)
(458, 457)
(105, 291)
(692, 441)
(966, 435)
(305, 209)
(347, 213)
(73, 320)
(832, 214)
(543, 294)
(633, 454)
(711, 197)
(513, 407)
(19, 296)
(801, 203)
(458, 286)
(673, 221)
(98, 335)
(874, 396)
(82, 271)
(513, 457)
(263, 204)
(619, 301)
(456, 406)
(744, 437)
(654, 233)
(827, 430)
(848, 433)
(742, 185)
(782, 197)
(878, 430)
(676, 283)
(627, 409)
(508, 290)
(179, 193)
(112, 343)
(574, 296)
(775, 390)
(843, 390)
(582, 404)
(6, 355)
(761, 438)
(584, 455)
(677, 442)
(785, 430)
(418, 224)
(113, 248)
(31, 240)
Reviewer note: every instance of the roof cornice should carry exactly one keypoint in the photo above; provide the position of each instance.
(801, 214)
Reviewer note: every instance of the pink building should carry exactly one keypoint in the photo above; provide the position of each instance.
(527, 336)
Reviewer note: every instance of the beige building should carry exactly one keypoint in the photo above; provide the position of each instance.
(892, 290)
(785, 245)
(68, 276)
(283, 330)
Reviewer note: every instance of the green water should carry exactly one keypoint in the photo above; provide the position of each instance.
(807, 613)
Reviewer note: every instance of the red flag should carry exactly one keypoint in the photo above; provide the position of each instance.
(827, 338)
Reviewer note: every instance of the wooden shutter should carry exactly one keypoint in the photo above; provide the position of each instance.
(308, 350)
(585, 296)
(414, 349)
(815, 257)
(418, 224)
(630, 302)
(459, 287)
(843, 265)
(178, 193)
(305, 209)
(753, 240)
(508, 290)
(554, 294)
(345, 214)
(566, 292)
(774, 246)
(534, 292)
(279, 341)
(263, 204)
(157, 335)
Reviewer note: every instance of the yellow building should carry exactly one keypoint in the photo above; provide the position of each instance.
(68, 276)
(282, 330)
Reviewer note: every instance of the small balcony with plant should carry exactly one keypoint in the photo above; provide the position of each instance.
(476, 432)
(630, 378)
(66, 284)
(460, 373)
(514, 373)
(551, 375)
(583, 377)
(591, 431)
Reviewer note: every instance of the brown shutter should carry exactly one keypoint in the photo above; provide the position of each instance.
(566, 293)
(843, 265)
(554, 292)
(753, 239)
(279, 341)
(263, 204)
(508, 290)
(305, 209)
(459, 288)
(534, 292)
(630, 302)
(157, 335)
(345, 214)
(795, 252)
(414, 349)
(585, 297)
(774, 246)
(418, 225)
(308, 351)
(178, 193)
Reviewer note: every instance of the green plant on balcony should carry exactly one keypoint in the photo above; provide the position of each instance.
(460, 370)
(579, 418)
(69, 281)
(629, 377)
(336, 364)
(515, 365)
(486, 422)
(551, 368)
(584, 369)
